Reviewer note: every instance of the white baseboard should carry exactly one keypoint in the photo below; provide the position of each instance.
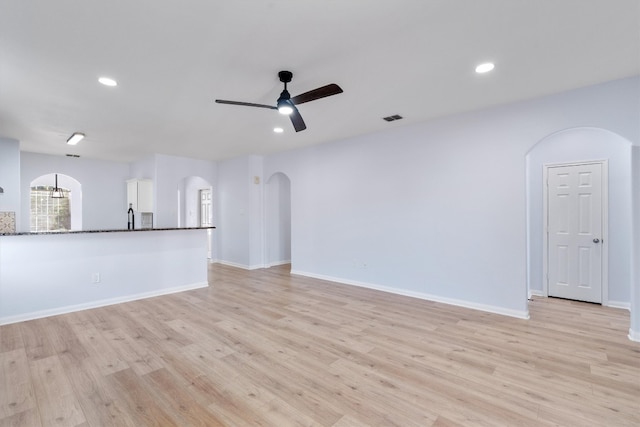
(619, 304)
(613, 304)
(233, 264)
(535, 293)
(100, 303)
(451, 301)
(249, 267)
(277, 263)
(634, 335)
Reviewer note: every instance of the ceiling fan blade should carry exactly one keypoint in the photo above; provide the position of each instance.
(321, 92)
(296, 119)
(246, 104)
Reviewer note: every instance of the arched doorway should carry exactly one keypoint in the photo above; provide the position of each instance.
(580, 145)
(47, 213)
(278, 220)
(195, 206)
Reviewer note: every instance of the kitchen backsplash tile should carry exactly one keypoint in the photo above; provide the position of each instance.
(7, 222)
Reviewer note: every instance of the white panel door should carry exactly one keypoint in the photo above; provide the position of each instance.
(575, 232)
(205, 208)
(206, 217)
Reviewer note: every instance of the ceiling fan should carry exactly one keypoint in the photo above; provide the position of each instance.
(287, 105)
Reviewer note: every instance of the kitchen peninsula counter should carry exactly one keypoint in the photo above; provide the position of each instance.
(51, 273)
(120, 230)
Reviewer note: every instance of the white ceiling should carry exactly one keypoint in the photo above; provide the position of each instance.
(172, 58)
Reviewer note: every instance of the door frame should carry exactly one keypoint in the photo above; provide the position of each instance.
(605, 224)
(210, 191)
(209, 233)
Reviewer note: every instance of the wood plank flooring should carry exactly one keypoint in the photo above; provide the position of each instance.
(263, 348)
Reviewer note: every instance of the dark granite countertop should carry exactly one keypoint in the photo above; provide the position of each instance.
(29, 233)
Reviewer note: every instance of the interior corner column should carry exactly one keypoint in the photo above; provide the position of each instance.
(634, 329)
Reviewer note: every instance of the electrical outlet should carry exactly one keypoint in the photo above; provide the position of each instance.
(95, 278)
(358, 264)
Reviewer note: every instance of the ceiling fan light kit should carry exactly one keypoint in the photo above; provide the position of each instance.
(287, 105)
(284, 105)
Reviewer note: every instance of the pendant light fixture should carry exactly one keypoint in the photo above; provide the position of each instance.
(57, 193)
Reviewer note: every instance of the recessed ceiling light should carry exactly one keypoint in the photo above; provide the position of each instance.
(278, 130)
(108, 81)
(485, 68)
(75, 138)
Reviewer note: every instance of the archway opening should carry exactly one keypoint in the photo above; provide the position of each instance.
(196, 207)
(278, 220)
(574, 146)
(47, 213)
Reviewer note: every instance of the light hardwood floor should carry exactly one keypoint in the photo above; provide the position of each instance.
(265, 348)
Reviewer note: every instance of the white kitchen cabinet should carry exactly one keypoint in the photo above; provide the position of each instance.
(140, 194)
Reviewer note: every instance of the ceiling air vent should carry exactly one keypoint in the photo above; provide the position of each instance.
(392, 118)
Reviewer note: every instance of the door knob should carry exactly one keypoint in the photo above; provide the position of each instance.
(596, 240)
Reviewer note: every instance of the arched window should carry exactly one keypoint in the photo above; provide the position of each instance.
(49, 211)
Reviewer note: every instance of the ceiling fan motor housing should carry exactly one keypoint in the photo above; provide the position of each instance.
(285, 76)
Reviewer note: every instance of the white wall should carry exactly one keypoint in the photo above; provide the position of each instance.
(10, 177)
(234, 180)
(579, 145)
(437, 209)
(256, 207)
(144, 168)
(241, 212)
(104, 193)
(414, 210)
